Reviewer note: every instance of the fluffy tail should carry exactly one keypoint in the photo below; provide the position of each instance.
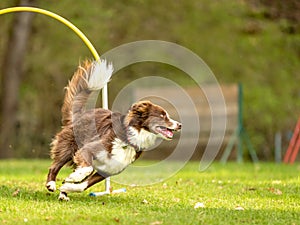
(91, 76)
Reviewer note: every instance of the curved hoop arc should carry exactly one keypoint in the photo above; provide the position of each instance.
(57, 17)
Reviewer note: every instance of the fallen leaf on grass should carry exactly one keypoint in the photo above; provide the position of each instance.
(239, 208)
(16, 192)
(145, 201)
(275, 191)
(199, 205)
(156, 223)
(176, 199)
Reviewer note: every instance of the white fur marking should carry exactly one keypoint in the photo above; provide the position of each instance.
(101, 72)
(142, 139)
(63, 197)
(174, 122)
(79, 174)
(121, 156)
(70, 187)
(51, 186)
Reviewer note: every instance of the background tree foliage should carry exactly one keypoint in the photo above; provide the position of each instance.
(241, 41)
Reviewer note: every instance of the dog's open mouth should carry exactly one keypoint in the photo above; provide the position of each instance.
(165, 132)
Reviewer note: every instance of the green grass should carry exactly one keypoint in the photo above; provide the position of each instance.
(267, 193)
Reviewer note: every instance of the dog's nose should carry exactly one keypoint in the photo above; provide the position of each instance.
(178, 126)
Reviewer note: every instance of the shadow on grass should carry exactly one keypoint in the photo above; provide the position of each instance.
(25, 193)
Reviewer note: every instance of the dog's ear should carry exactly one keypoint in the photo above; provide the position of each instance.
(141, 108)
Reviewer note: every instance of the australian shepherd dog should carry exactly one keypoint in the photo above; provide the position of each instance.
(97, 142)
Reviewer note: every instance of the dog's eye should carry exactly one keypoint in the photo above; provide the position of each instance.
(163, 116)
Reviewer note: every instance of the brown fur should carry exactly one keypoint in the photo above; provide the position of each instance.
(77, 93)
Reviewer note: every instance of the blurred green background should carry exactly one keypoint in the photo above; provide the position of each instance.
(253, 42)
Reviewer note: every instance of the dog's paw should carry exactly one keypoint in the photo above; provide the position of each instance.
(63, 197)
(79, 174)
(51, 186)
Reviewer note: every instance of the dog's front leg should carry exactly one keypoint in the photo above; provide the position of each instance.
(79, 174)
(71, 187)
(78, 187)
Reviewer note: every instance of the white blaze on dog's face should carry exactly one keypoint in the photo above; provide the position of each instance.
(147, 116)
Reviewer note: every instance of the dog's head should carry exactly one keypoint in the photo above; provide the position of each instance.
(152, 118)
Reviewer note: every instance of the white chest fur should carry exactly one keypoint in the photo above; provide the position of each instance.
(115, 162)
(142, 139)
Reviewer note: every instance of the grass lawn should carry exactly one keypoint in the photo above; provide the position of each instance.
(224, 194)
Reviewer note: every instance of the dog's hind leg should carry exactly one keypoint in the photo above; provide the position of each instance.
(53, 171)
(60, 158)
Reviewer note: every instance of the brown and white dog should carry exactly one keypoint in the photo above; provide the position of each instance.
(98, 142)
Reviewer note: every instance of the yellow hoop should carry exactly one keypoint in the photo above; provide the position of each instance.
(72, 27)
(60, 19)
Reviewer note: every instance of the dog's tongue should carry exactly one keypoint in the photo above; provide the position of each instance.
(167, 133)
